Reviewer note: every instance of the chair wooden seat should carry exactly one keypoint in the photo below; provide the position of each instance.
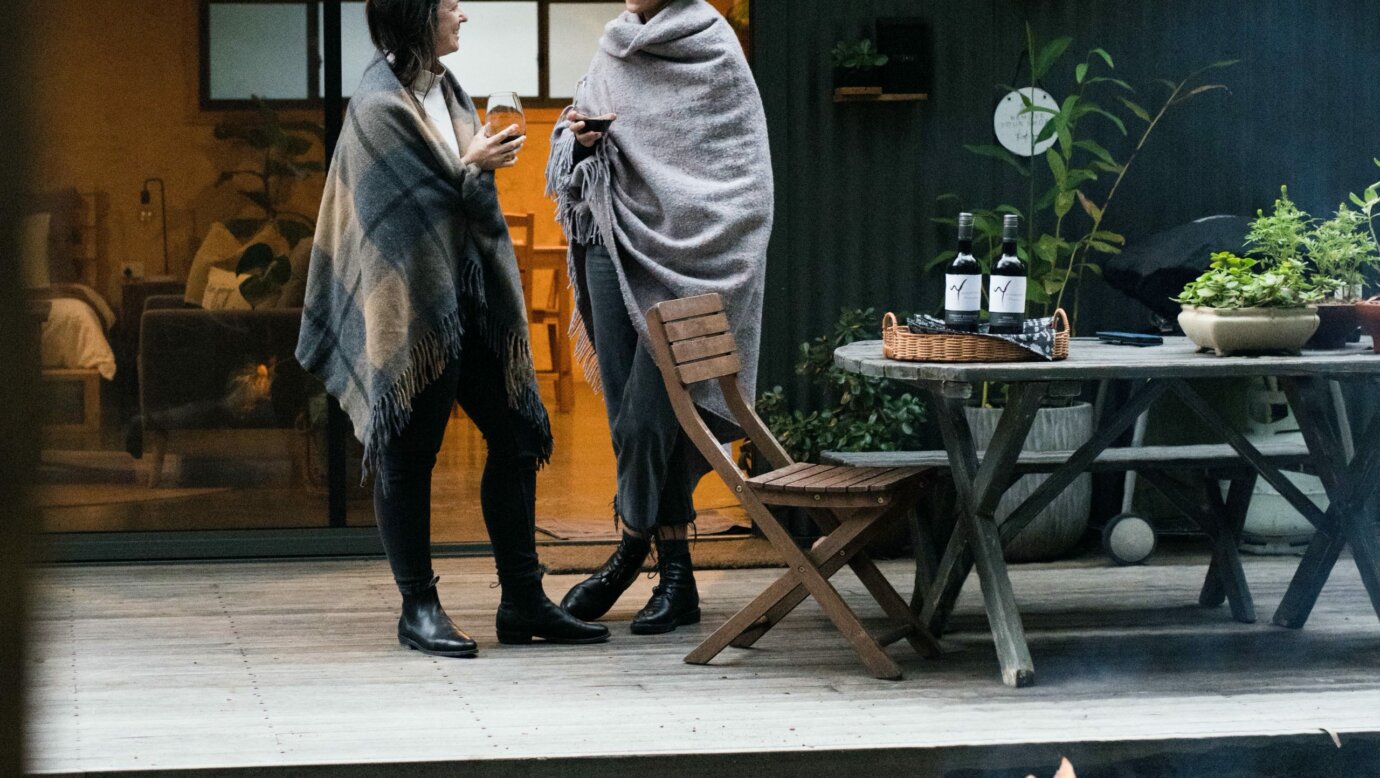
(692, 342)
(823, 482)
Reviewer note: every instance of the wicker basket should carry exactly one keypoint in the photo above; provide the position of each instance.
(898, 342)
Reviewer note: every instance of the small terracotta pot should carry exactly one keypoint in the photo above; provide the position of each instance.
(1336, 321)
(1369, 313)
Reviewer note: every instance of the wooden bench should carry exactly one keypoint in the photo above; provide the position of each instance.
(1218, 456)
(1221, 519)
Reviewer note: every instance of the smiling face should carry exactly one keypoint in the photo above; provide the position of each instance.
(449, 17)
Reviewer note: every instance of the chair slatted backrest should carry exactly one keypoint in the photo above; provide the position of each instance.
(692, 342)
(522, 229)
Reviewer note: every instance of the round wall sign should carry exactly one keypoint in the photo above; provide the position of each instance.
(1016, 128)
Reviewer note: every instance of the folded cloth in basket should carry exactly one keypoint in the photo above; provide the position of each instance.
(1038, 337)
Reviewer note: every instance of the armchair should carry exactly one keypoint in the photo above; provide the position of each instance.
(222, 383)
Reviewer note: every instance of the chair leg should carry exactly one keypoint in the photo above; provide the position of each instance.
(900, 613)
(896, 608)
(873, 656)
(787, 593)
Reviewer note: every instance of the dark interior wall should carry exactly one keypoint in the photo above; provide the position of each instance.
(857, 183)
(18, 374)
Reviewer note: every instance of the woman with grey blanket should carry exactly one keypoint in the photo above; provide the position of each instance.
(414, 303)
(673, 199)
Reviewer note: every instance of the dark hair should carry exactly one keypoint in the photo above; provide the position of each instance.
(407, 30)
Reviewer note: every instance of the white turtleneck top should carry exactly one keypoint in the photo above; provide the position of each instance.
(432, 95)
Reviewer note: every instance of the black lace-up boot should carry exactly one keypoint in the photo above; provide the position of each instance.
(525, 612)
(592, 597)
(675, 600)
(425, 627)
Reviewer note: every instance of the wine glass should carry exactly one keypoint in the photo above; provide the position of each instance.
(502, 110)
(587, 108)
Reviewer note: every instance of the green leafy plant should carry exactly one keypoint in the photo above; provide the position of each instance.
(1282, 234)
(1369, 203)
(281, 147)
(862, 413)
(857, 56)
(1341, 249)
(1233, 282)
(1065, 232)
(267, 274)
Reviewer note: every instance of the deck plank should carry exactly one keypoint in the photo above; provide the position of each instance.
(294, 663)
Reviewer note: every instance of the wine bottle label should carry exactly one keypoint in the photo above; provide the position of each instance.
(962, 292)
(1006, 294)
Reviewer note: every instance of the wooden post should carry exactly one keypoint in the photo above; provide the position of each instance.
(19, 376)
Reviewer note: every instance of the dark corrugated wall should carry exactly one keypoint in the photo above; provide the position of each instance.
(857, 183)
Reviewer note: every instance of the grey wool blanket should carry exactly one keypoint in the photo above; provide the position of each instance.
(680, 189)
(411, 250)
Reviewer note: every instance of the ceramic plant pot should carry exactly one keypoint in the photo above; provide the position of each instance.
(1369, 314)
(1336, 322)
(1228, 331)
(1059, 527)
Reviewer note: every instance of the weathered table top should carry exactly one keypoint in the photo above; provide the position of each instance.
(1090, 358)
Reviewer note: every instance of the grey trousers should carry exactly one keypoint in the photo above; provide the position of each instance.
(655, 478)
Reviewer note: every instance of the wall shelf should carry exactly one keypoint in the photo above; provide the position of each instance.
(848, 96)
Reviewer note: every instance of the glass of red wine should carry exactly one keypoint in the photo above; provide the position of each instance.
(503, 110)
(597, 119)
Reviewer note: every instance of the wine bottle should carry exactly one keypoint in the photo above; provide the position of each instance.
(1006, 287)
(963, 282)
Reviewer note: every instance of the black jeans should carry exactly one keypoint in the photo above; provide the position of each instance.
(507, 491)
(656, 483)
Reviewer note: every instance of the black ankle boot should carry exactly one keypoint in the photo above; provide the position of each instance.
(425, 627)
(592, 597)
(675, 600)
(525, 612)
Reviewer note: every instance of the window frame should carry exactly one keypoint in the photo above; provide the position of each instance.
(314, 86)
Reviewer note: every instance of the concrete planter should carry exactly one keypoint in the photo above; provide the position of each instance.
(1059, 526)
(1229, 331)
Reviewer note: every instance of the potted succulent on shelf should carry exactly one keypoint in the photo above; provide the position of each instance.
(1233, 309)
(857, 66)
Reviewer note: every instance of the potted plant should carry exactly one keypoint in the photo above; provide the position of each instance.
(1232, 309)
(1369, 310)
(1341, 249)
(1071, 190)
(857, 66)
(1072, 186)
(279, 148)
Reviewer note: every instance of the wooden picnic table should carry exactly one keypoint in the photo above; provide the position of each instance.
(981, 478)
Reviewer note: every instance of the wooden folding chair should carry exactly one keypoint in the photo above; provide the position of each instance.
(691, 342)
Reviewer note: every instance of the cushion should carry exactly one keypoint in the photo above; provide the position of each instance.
(33, 251)
(223, 291)
(220, 249)
(67, 209)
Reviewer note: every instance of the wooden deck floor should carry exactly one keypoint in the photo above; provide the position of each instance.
(257, 665)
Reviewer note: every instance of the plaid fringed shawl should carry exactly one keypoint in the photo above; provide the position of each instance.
(680, 190)
(411, 249)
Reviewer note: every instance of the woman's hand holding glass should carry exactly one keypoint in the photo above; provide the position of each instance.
(491, 152)
(586, 136)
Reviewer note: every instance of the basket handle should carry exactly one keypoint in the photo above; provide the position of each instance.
(1058, 318)
(888, 321)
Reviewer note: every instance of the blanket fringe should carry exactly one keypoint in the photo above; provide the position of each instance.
(426, 361)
